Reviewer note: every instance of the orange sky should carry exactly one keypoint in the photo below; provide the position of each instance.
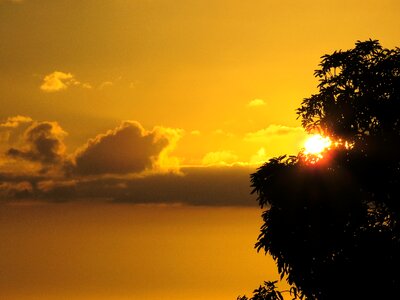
(156, 103)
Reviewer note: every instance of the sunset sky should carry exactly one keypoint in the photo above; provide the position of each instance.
(129, 128)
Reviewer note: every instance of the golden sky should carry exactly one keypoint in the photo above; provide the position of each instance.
(153, 102)
(217, 71)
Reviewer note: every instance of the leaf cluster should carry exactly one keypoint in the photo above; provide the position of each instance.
(359, 93)
(269, 291)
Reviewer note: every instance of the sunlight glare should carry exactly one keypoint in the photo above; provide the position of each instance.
(316, 144)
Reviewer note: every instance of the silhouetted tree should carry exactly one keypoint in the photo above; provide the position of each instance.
(333, 226)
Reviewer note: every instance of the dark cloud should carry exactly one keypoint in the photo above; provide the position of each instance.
(126, 149)
(42, 142)
(211, 186)
(17, 190)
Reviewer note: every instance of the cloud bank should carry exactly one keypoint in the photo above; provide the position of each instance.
(127, 164)
(210, 186)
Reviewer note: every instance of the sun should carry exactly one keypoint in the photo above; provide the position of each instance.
(316, 144)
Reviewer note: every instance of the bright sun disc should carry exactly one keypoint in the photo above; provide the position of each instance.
(316, 144)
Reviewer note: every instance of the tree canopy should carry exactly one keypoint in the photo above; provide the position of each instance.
(332, 226)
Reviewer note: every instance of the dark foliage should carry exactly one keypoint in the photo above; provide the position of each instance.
(269, 291)
(333, 226)
(358, 95)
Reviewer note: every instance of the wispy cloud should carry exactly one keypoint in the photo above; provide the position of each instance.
(105, 84)
(195, 132)
(223, 133)
(15, 121)
(12, 129)
(273, 130)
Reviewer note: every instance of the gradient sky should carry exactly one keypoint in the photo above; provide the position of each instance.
(120, 117)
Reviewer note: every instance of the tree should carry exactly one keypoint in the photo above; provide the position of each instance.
(333, 226)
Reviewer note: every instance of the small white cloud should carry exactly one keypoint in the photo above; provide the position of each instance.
(256, 102)
(222, 132)
(86, 85)
(58, 81)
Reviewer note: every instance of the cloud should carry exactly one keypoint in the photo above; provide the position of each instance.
(21, 189)
(195, 132)
(12, 128)
(224, 133)
(212, 186)
(259, 158)
(58, 81)
(275, 140)
(128, 148)
(134, 159)
(219, 158)
(43, 142)
(273, 131)
(165, 161)
(256, 102)
(13, 122)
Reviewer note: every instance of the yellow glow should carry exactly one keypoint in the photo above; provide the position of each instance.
(316, 144)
